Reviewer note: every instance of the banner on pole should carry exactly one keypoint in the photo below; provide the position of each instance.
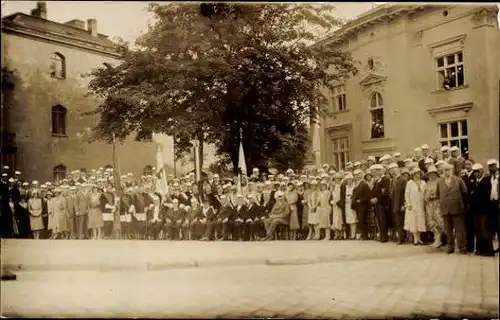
(161, 182)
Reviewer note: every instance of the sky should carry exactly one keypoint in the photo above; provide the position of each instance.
(128, 20)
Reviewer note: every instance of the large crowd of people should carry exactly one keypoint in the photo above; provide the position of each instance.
(439, 199)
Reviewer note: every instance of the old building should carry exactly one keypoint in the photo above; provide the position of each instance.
(44, 129)
(427, 74)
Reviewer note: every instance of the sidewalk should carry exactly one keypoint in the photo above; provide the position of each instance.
(115, 255)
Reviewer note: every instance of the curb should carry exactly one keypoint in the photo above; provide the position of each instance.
(146, 266)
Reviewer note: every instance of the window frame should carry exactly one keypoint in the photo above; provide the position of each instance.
(446, 66)
(338, 153)
(60, 113)
(57, 58)
(449, 138)
(339, 94)
(379, 105)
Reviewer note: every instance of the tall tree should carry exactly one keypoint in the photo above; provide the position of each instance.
(205, 71)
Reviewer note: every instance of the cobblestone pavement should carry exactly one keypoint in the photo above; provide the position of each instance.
(383, 285)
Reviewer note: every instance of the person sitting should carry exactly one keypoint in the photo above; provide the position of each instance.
(279, 215)
(224, 218)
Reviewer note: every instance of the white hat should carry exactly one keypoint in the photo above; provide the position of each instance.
(177, 201)
(349, 176)
(417, 149)
(396, 154)
(477, 166)
(129, 174)
(17, 172)
(268, 183)
(289, 171)
(314, 181)
(385, 157)
(216, 175)
(415, 170)
(34, 182)
(255, 170)
(454, 148)
(425, 146)
(279, 194)
(25, 184)
(371, 158)
(432, 169)
(492, 162)
(428, 160)
(357, 163)
(6, 167)
(323, 182)
(357, 171)
(11, 180)
(447, 166)
(331, 172)
(377, 167)
(408, 160)
(445, 148)
(72, 188)
(348, 164)
(393, 165)
(325, 165)
(4, 174)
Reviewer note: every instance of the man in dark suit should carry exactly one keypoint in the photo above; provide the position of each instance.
(224, 218)
(380, 201)
(360, 203)
(240, 214)
(479, 207)
(451, 191)
(470, 182)
(397, 197)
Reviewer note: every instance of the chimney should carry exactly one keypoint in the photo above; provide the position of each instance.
(40, 10)
(92, 27)
(80, 24)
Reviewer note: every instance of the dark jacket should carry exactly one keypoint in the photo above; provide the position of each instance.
(480, 192)
(398, 193)
(361, 197)
(451, 198)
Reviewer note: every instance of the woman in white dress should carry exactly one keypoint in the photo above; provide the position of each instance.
(414, 205)
(35, 210)
(325, 209)
(312, 205)
(351, 217)
(337, 222)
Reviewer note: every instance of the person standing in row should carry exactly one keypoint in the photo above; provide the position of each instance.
(95, 219)
(414, 204)
(35, 210)
(433, 216)
(450, 191)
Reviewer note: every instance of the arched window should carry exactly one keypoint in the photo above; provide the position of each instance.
(377, 115)
(148, 170)
(59, 120)
(60, 172)
(57, 66)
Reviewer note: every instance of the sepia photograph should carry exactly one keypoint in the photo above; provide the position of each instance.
(277, 160)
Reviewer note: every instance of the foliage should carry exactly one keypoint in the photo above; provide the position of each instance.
(205, 71)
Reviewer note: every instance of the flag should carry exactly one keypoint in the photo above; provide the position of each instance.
(242, 165)
(161, 182)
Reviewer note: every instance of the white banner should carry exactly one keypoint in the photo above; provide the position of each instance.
(161, 182)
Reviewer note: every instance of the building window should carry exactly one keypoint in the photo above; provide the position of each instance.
(341, 154)
(60, 172)
(450, 70)
(59, 120)
(377, 115)
(57, 66)
(455, 133)
(339, 99)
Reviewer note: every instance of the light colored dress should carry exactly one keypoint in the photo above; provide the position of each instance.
(35, 209)
(350, 214)
(414, 198)
(337, 223)
(324, 209)
(312, 204)
(95, 217)
(432, 213)
(59, 214)
(292, 198)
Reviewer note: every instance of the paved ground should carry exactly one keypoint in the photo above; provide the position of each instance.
(360, 279)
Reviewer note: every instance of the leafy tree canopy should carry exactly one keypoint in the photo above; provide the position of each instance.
(205, 71)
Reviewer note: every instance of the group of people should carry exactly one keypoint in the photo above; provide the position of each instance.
(440, 199)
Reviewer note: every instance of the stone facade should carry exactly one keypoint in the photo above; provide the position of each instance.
(400, 50)
(28, 44)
